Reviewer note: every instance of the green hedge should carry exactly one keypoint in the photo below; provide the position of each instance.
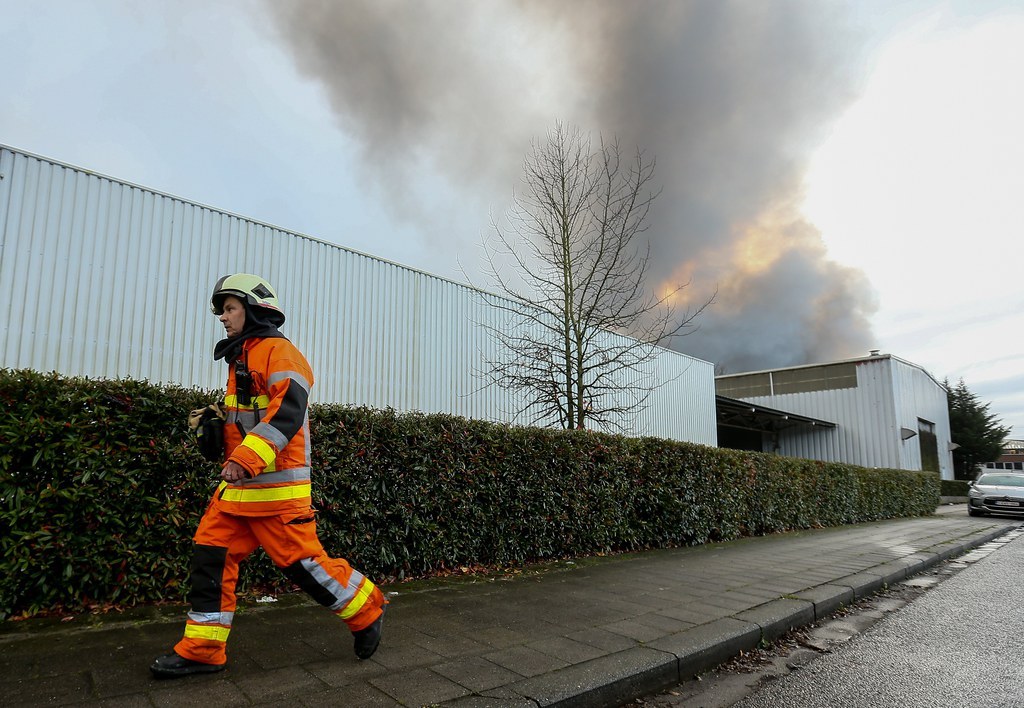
(954, 487)
(101, 489)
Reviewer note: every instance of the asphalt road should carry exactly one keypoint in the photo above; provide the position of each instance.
(959, 644)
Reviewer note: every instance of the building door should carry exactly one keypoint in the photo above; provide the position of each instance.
(929, 445)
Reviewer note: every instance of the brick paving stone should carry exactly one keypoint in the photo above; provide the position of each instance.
(634, 630)
(197, 691)
(477, 674)
(525, 661)
(419, 687)
(609, 642)
(565, 649)
(561, 633)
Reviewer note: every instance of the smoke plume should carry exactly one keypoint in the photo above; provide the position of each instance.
(729, 97)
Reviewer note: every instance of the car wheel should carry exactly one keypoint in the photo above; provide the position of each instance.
(971, 511)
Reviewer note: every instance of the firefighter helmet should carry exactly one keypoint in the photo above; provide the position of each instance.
(251, 288)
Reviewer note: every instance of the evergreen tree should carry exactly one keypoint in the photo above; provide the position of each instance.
(974, 429)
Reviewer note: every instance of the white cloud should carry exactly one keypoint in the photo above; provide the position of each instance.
(919, 185)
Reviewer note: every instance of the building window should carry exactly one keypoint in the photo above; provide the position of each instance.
(829, 377)
(749, 386)
(815, 378)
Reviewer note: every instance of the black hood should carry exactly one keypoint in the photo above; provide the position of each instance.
(259, 322)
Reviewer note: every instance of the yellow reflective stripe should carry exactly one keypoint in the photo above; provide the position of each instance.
(357, 602)
(242, 494)
(260, 402)
(207, 631)
(261, 447)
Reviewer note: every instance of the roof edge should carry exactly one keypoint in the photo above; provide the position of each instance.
(856, 360)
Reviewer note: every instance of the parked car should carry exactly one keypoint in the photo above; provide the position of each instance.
(996, 492)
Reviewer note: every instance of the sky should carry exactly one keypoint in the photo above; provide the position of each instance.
(842, 176)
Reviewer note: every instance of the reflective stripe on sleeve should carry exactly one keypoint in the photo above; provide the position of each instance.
(261, 447)
(293, 375)
(306, 437)
(268, 431)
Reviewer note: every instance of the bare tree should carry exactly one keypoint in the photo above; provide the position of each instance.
(581, 327)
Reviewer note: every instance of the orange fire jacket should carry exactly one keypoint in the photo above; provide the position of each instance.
(268, 434)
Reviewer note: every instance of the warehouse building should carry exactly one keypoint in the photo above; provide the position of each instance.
(102, 278)
(875, 411)
(107, 279)
(1011, 459)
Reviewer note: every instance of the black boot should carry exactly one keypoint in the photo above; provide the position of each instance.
(174, 666)
(367, 640)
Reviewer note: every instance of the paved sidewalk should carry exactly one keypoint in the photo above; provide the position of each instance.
(600, 632)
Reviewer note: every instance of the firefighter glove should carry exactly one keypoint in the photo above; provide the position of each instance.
(207, 424)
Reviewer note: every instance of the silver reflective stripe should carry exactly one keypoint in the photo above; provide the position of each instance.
(305, 436)
(293, 375)
(270, 433)
(246, 418)
(295, 474)
(224, 618)
(344, 594)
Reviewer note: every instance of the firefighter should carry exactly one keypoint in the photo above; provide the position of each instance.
(263, 498)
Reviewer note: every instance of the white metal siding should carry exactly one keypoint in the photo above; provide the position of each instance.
(890, 394)
(864, 417)
(105, 279)
(918, 396)
(683, 408)
(864, 421)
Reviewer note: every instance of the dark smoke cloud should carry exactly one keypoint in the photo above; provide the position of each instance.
(423, 86)
(777, 288)
(729, 97)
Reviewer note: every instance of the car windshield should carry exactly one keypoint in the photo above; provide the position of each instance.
(1001, 480)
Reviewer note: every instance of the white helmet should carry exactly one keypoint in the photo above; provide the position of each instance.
(251, 288)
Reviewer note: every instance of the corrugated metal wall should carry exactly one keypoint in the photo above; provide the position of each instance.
(866, 431)
(890, 394)
(918, 396)
(105, 279)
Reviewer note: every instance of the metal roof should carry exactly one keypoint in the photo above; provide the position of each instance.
(856, 360)
(735, 413)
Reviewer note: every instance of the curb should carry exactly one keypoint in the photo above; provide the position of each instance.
(615, 679)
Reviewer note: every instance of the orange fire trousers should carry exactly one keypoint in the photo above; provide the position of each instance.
(225, 540)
